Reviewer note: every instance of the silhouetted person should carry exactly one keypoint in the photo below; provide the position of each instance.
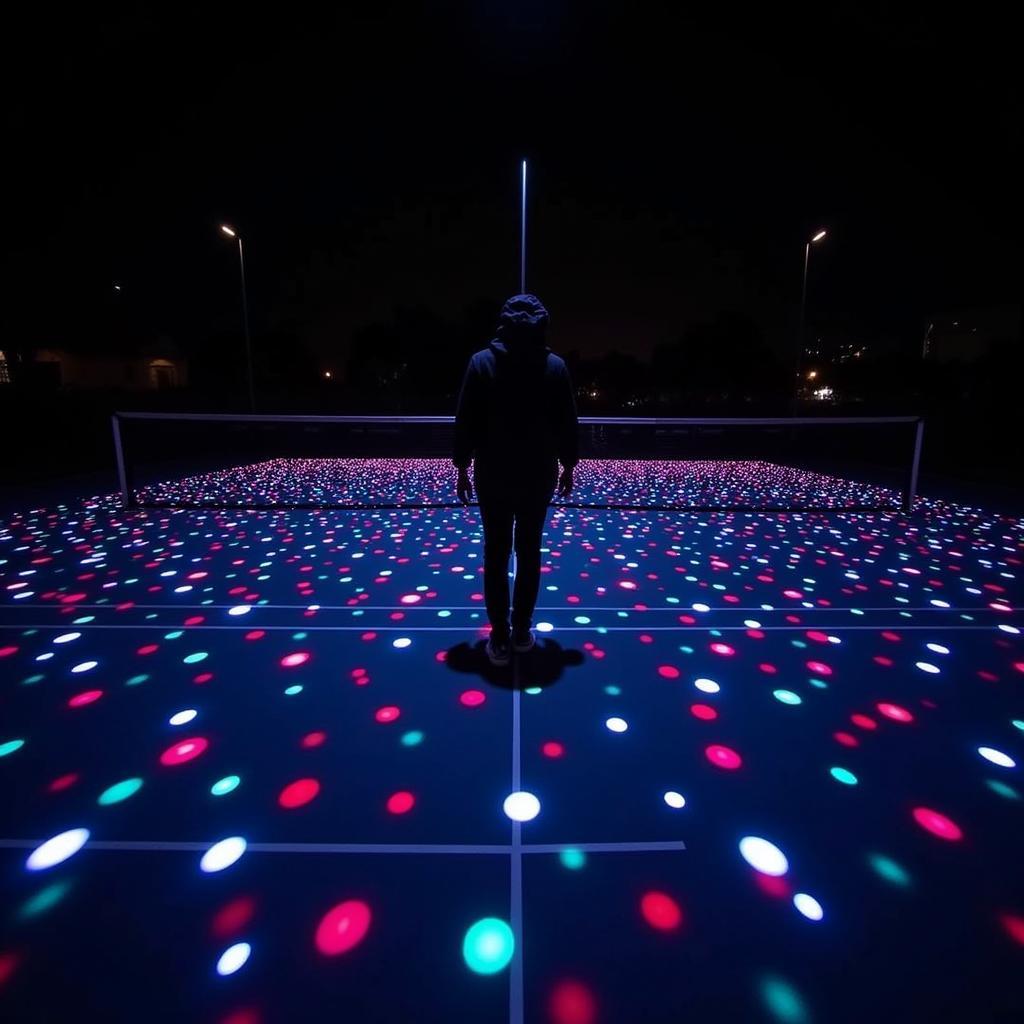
(516, 421)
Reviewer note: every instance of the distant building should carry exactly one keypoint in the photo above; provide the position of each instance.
(5, 370)
(153, 366)
(969, 335)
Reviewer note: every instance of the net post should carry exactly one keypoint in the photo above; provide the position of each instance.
(127, 499)
(910, 494)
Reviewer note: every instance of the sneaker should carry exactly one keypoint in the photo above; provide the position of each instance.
(498, 652)
(522, 640)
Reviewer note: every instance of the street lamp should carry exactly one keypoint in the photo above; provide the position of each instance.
(816, 237)
(232, 233)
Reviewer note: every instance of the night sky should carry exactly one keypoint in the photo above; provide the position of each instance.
(371, 161)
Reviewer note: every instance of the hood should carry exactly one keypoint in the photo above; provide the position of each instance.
(522, 326)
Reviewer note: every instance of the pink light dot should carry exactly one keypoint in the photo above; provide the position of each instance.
(895, 712)
(387, 714)
(81, 699)
(472, 698)
(661, 911)
(704, 712)
(724, 649)
(298, 658)
(6, 652)
(552, 749)
(313, 739)
(1013, 925)
(148, 649)
(410, 598)
(723, 757)
(298, 793)
(846, 739)
(401, 802)
(668, 672)
(572, 1003)
(863, 722)
(819, 668)
(938, 824)
(186, 750)
(63, 782)
(255, 634)
(343, 927)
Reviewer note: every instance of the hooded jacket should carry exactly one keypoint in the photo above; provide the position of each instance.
(516, 415)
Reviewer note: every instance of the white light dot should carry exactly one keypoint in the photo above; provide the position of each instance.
(66, 638)
(617, 724)
(701, 608)
(544, 627)
(183, 716)
(1008, 629)
(674, 799)
(521, 806)
(402, 641)
(997, 757)
(937, 648)
(925, 666)
(808, 906)
(706, 685)
(222, 855)
(763, 856)
(751, 623)
(240, 609)
(85, 666)
(233, 958)
(57, 849)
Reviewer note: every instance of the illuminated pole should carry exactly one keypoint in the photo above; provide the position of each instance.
(803, 314)
(231, 233)
(522, 236)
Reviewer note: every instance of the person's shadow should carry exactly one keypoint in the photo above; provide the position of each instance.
(542, 666)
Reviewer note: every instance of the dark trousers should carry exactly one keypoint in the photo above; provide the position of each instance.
(512, 521)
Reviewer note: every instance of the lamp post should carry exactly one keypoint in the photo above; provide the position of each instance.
(816, 237)
(232, 233)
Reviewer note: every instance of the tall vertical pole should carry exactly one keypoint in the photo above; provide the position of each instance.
(800, 329)
(522, 235)
(245, 324)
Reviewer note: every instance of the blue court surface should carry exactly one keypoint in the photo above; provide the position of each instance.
(766, 766)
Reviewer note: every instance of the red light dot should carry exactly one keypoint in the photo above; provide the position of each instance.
(81, 699)
(572, 1003)
(233, 916)
(8, 965)
(255, 634)
(6, 652)
(846, 739)
(552, 749)
(387, 714)
(661, 911)
(298, 793)
(63, 782)
(723, 757)
(938, 824)
(473, 698)
(292, 660)
(863, 722)
(401, 802)
(203, 677)
(1014, 927)
(704, 712)
(668, 672)
(313, 739)
(895, 712)
(186, 750)
(772, 885)
(343, 927)
(148, 649)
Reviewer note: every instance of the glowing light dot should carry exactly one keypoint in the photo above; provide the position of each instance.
(701, 608)
(57, 849)
(723, 757)
(617, 724)
(997, 757)
(488, 946)
(808, 906)
(343, 927)
(783, 1001)
(84, 666)
(80, 700)
(925, 666)
(707, 685)
(119, 791)
(184, 751)
(401, 642)
(298, 793)
(787, 697)
(661, 911)
(844, 776)
(472, 698)
(387, 714)
(724, 649)
(413, 738)
(544, 627)
(195, 657)
(240, 609)
(66, 638)
(182, 717)
(552, 749)
(225, 785)
(674, 799)
(888, 869)
(222, 855)
(401, 802)
(937, 648)
(10, 747)
(763, 856)
(668, 672)
(938, 824)
(895, 712)
(233, 958)
(521, 806)
(295, 659)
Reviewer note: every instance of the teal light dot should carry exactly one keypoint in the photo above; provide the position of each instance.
(613, 691)
(135, 680)
(818, 684)
(83, 620)
(573, 859)
(225, 785)
(44, 900)
(413, 738)
(844, 776)
(1018, 724)
(786, 697)
(299, 636)
(532, 690)
(173, 635)
(119, 791)
(783, 1001)
(192, 659)
(292, 690)
(888, 869)
(10, 747)
(488, 946)
(32, 680)
(1002, 789)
